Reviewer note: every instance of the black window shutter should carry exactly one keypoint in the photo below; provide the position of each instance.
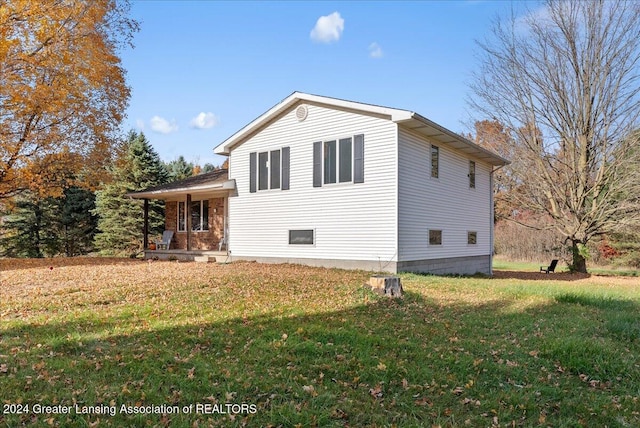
(358, 158)
(253, 166)
(317, 164)
(285, 168)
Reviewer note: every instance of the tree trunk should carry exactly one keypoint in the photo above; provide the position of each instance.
(579, 263)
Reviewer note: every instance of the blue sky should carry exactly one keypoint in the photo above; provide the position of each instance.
(201, 70)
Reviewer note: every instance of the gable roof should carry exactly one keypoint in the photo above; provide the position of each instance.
(404, 118)
(214, 180)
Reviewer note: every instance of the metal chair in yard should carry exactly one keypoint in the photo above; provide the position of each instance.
(550, 268)
(165, 242)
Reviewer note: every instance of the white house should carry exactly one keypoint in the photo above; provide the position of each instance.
(328, 182)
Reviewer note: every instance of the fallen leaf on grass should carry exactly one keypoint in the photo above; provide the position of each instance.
(376, 392)
(424, 401)
(309, 389)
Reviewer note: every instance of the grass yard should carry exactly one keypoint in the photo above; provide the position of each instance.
(112, 342)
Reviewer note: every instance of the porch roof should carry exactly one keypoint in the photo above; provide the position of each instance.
(214, 181)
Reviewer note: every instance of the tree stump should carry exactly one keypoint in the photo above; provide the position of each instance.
(389, 286)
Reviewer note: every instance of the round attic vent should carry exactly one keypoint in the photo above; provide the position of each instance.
(301, 113)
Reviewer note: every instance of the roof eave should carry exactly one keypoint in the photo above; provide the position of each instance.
(446, 136)
(226, 186)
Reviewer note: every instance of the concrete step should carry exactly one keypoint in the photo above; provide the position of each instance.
(204, 259)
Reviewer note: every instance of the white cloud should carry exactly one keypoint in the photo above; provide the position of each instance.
(162, 125)
(328, 28)
(204, 121)
(375, 51)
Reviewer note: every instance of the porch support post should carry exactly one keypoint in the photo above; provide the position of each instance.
(188, 221)
(145, 228)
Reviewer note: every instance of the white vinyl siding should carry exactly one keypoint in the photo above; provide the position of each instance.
(444, 204)
(350, 222)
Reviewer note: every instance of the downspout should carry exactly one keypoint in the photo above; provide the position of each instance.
(491, 219)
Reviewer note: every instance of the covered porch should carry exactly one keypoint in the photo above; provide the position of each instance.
(196, 217)
(193, 255)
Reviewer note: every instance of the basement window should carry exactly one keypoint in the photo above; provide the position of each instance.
(435, 237)
(301, 237)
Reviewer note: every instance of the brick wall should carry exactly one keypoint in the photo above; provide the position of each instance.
(207, 240)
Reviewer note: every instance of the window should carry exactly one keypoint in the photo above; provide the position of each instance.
(435, 159)
(346, 160)
(275, 169)
(472, 238)
(338, 161)
(263, 170)
(330, 156)
(435, 237)
(269, 170)
(301, 237)
(199, 216)
(472, 174)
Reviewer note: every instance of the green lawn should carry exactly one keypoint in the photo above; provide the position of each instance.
(255, 345)
(502, 264)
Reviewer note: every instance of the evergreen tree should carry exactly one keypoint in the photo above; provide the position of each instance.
(46, 227)
(179, 169)
(78, 224)
(208, 167)
(120, 219)
(22, 228)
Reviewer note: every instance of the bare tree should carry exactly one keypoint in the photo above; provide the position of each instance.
(564, 80)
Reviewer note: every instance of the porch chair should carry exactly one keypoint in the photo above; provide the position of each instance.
(550, 268)
(165, 242)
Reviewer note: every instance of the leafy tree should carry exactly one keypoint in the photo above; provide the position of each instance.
(564, 82)
(120, 219)
(62, 91)
(209, 167)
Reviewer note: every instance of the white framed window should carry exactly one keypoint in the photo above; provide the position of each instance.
(269, 170)
(435, 237)
(472, 238)
(339, 160)
(199, 216)
(435, 161)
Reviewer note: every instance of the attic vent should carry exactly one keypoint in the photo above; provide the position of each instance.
(301, 113)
